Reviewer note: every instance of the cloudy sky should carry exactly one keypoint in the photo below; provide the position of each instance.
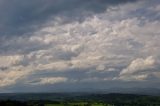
(79, 45)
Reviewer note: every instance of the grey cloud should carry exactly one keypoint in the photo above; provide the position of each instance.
(89, 49)
(19, 17)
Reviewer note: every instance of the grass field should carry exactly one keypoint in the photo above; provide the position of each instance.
(54, 105)
(77, 104)
(98, 104)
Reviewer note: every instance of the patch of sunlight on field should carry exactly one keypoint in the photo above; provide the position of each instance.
(98, 104)
(78, 104)
(54, 105)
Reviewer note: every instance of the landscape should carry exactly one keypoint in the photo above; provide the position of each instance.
(79, 52)
(78, 99)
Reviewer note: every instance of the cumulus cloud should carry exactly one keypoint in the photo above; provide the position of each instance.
(140, 69)
(140, 65)
(118, 41)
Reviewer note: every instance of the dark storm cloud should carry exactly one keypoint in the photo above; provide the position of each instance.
(20, 16)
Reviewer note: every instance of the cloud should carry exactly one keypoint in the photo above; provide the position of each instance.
(110, 42)
(12, 76)
(140, 69)
(140, 65)
(50, 80)
(6, 61)
(21, 17)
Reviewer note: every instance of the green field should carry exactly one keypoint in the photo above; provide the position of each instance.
(79, 104)
(54, 105)
(98, 104)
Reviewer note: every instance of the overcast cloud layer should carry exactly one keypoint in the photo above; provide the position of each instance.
(73, 45)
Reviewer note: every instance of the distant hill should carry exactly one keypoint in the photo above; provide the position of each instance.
(69, 96)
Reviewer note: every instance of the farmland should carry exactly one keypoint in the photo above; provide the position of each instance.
(67, 99)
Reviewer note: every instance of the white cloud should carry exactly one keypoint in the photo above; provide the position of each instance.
(50, 80)
(13, 75)
(55, 66)
(100, 68)
(6, 61)
(133, 77)
(140, 69)
(140, 64)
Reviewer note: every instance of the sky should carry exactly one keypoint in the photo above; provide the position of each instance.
(79, 45)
